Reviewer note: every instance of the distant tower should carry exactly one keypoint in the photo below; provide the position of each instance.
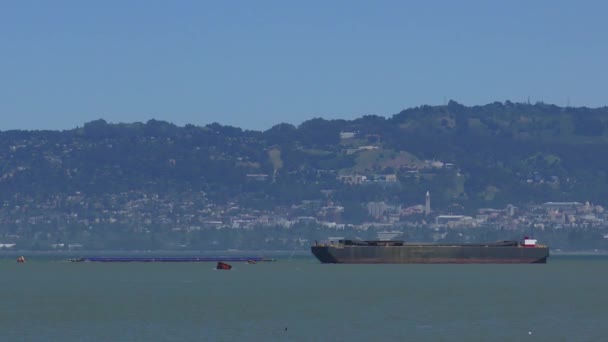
(511, 210)
(427, 205)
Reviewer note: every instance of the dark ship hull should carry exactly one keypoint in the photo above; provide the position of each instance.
(397, 252)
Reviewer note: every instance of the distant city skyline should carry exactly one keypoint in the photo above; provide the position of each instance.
(253, 65)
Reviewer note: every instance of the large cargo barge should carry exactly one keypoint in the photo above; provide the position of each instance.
(399, 252)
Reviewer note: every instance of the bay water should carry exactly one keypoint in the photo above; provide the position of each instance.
(299, 299)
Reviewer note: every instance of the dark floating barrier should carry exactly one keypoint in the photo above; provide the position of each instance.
(169, 259)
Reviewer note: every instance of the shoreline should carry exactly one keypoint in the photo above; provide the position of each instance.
(302, 252)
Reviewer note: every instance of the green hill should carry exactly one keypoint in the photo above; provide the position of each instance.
(484, 156)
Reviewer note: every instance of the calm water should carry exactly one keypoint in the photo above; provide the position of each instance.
(48, 300)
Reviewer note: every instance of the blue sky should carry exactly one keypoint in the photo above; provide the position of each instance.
(254, 64)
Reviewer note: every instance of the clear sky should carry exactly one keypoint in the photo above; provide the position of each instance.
(254, 64)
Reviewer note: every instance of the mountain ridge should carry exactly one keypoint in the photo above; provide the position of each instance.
(512, 140)
(157, 176)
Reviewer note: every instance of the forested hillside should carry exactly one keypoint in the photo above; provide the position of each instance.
(155, 185)
(496, 154)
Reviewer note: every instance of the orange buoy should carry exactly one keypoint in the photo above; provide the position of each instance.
(223, 266)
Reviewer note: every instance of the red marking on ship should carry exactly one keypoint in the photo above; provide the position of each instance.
(447, 261)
